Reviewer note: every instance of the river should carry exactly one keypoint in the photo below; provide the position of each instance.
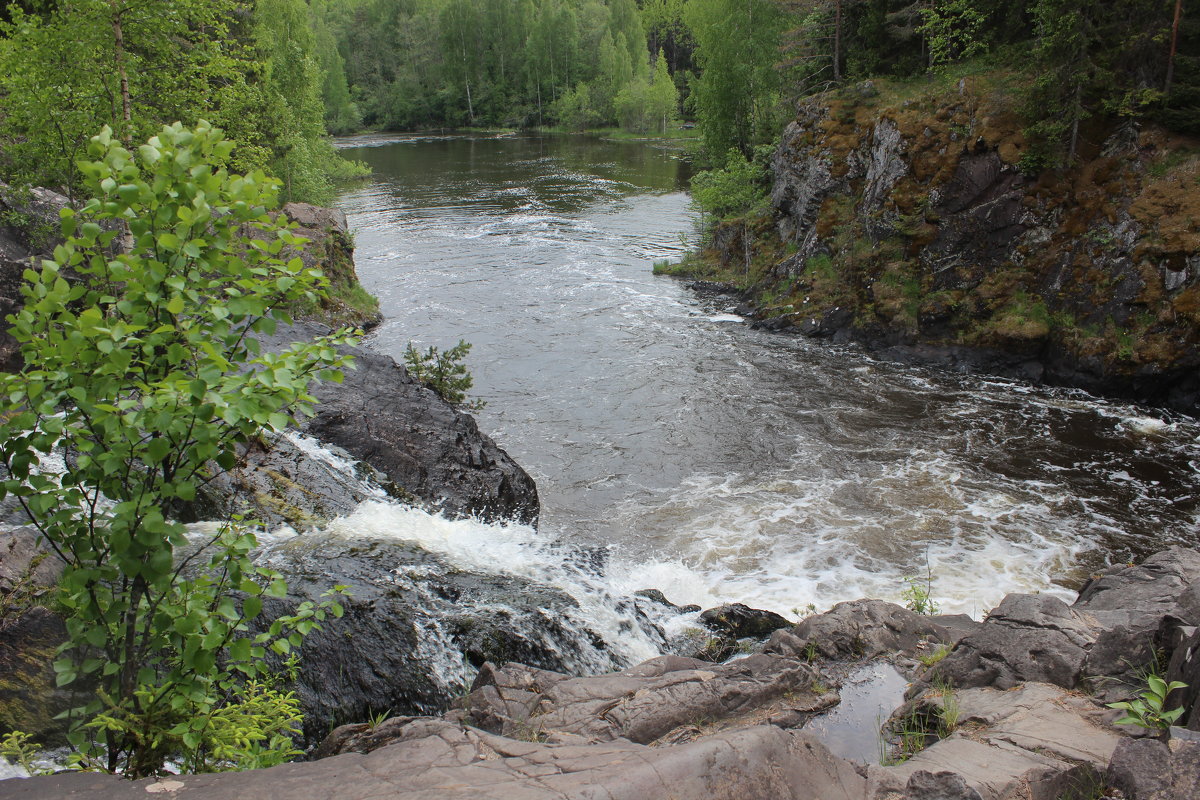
(713, 461)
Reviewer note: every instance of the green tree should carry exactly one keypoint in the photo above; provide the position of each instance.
(736, 191)
(953, 31)
(81, 64)
(291, 125)
(643, 106)
(145, 373)
(736, 97)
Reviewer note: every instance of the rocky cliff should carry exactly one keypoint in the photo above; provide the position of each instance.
(910, 217)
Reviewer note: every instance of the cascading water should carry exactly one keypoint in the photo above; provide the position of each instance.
(676, 448)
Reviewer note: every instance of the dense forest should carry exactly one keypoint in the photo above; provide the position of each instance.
(280, 75)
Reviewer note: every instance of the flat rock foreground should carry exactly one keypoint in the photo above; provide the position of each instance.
(1011, 707)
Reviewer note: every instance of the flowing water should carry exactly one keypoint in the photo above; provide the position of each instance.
(712, 461)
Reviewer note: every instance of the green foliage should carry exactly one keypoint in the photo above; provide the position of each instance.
(917, 595)
(738, 188)
(737, 94)
(72, 67)
(935, 656)
(444, 372)
(643, 107)
(952, 31)
(1147, 709)
(19, 749)
(147, 371)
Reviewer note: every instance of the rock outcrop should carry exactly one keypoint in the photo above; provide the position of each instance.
(691, 730)
(909, 219)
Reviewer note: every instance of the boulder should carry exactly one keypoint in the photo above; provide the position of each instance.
(29, 698)
(1148, 769)
(424, 446)
(742, 622)
(415, 446)
(865, 629)
(668, 698)
(1037, 741)
(291, 479)
(415, 628)
(29, 638)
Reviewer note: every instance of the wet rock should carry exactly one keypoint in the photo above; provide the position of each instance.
(289, 479)
(742, 622)
(421, 443)
(29, 638)
(424, 450)
(655, 596)
(29, 698)
(415, 628)
(863, 629)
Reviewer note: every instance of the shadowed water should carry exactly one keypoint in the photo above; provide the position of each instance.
(722, 463)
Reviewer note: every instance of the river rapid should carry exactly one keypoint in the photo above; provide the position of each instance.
(707, 459)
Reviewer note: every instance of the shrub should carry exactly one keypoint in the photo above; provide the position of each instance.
(145, 373)
(444, 372)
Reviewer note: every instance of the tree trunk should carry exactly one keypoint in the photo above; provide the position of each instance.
(837, 41)
(119, 62)
(1076, 113)
(1174, 44)
(746, 244)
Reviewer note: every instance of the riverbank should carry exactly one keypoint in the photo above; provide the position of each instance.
(1012, 706)
(908, 217)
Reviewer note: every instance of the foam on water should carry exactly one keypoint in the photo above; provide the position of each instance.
(598, 584)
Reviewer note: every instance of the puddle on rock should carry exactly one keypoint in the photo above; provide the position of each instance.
(851, 728)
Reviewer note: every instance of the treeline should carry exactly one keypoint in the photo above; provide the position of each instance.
(736, 66)
(279, 75)
(516, 63)
(259, 70)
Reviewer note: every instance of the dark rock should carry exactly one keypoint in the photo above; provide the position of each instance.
(742, 622)
(285, 480)
(1141, 770)
(655, 596)
(1185, 667)
(1026, 638)
(414, 628)
(421, 443)
(29, 698)
(29, 637)
(862, 629)
(423, 450)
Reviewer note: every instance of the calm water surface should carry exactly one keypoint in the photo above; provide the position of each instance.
(716, 462)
